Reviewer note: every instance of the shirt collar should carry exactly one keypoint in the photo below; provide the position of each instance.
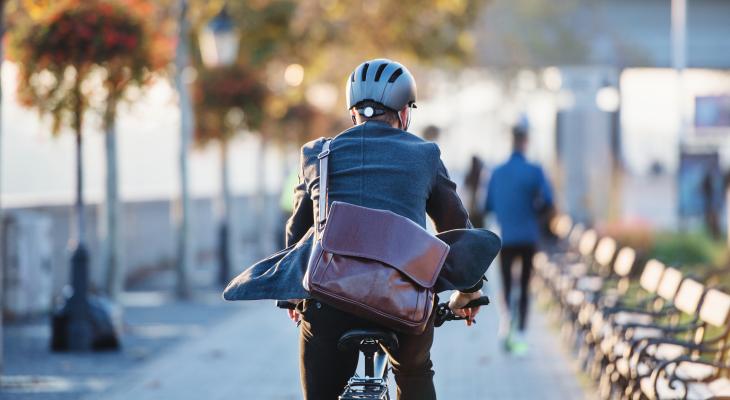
(376, 122)
(517, 155)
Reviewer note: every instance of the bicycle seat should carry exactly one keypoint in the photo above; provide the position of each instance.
(354, 338)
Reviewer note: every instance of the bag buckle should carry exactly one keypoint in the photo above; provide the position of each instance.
(323, 154)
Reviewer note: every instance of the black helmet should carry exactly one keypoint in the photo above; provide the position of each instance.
(384, 82)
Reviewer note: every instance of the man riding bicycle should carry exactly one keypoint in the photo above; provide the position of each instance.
(376, 164)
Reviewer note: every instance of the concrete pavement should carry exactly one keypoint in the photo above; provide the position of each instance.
(154, 321)
(253, 355)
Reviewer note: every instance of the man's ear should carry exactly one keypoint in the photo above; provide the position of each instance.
(404, 116)
(352, 114)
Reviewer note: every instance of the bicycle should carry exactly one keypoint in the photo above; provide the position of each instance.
(371, 343)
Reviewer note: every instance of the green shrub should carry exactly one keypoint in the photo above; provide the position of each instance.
(688, 250)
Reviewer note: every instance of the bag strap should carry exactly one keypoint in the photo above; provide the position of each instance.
(323, 188)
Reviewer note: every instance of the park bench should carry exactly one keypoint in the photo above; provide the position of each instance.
(560, 226)
(618, 308)
(701, 372)
(560, 271)
(653, 302)
(564, 276)
(639, 357)
(665, 336)
(580, 281)
(592, 292)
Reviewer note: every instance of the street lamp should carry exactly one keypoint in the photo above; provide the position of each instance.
(219, 41)
(608, 99)
(219, 48)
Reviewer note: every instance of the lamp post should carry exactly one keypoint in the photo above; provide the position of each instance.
(608, 100)
(2, 293)
(219, 48)
(182, 217)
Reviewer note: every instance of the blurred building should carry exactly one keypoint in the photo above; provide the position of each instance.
(620, 105)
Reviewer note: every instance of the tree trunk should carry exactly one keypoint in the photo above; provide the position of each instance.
(185, 250)
(112, 240)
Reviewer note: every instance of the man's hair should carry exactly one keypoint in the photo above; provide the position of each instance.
(389, 116)
(520, 136)
(519, 131)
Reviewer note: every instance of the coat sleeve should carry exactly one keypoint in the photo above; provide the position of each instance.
(444, 205)
(302, 217)
(447, 212)
(545, 191)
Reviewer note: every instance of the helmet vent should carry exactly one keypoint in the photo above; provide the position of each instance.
(398, 72)
(364, 71)
(380, 71)
(352, 77)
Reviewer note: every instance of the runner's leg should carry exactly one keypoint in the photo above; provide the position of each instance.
(526, 254)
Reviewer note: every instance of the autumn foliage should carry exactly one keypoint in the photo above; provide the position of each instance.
(62, 52)
(228, 99)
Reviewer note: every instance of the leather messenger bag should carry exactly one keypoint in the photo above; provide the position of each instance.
(373, 263)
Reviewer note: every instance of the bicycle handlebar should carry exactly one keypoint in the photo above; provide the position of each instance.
(443, 312)
(285, 304)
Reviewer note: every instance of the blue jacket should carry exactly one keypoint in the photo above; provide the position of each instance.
(517, 192)
(373, 165)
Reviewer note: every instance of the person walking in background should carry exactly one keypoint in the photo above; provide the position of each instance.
(431, 133)
(518, 193)
(474, 187)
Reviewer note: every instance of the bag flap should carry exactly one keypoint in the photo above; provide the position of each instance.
(386, 237)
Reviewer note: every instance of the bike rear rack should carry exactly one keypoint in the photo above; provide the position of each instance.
(366, 388)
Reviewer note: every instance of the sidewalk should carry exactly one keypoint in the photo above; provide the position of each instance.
(253, 355)
(154, 323)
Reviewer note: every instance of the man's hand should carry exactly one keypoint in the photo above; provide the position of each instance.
(294, 314)
(459, 300)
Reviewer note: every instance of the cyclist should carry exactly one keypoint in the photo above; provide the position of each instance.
(375, 164)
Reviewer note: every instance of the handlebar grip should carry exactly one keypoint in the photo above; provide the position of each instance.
(482, 301)
(285, 304)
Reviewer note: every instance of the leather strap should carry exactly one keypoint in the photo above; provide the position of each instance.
(323, 189)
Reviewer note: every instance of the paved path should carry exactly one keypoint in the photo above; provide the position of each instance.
(252, 355)
(153, 322)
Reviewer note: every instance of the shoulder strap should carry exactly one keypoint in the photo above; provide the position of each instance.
(323, 189)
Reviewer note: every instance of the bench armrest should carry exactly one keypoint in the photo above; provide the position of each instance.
(668, 368)
(639, 349)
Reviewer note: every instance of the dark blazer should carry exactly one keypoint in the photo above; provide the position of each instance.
(377, 166)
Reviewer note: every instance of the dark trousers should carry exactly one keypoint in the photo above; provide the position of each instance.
(324, 369)
(508, 255)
